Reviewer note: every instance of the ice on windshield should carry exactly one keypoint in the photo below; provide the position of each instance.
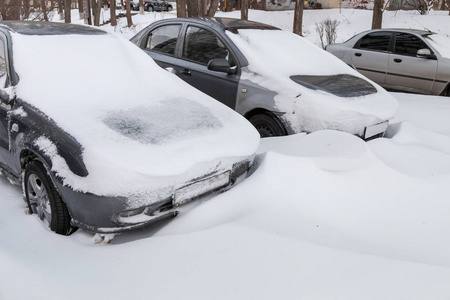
(159, 124)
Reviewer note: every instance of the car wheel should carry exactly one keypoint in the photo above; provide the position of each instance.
(267, 126)
(44, 200)
(149, 8)
(170, 8)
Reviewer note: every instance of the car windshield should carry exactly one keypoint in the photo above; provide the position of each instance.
(342, 85)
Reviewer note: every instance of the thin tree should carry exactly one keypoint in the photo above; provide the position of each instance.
(244, 9)
(129, 21)
(181, 9)
(44, 10)
(298, 17)
(141, 7)
(87, 15)
(112, 11)
(377, 17)
(81, 9)
(67, 11)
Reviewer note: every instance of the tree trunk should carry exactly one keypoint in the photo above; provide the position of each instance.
(141, 7)
(129, 21)
(67, 10)
(81, 9)
(112, 11)
(96, 8)
(298, 17)
(244, 9)
(87, 9)
(202, 8)
(181, 9)
(44, 10)
(377, 17)
(60, 9)
(212, 8)
(192, 8)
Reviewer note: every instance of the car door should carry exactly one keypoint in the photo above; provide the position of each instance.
(370, 55)
(161, 44)
(407, 71)
(5, 107)
(201, 45)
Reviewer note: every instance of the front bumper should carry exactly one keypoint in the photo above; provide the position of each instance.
(109, 215)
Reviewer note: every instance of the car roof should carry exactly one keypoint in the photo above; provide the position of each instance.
(229, 24)
(407, 30)
(48, 28)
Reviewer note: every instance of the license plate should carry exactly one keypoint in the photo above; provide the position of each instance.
(375, 129)
(187, 193)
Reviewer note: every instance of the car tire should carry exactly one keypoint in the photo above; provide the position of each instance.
(149, 8)
(44, 200)
(267, 125)
(169, 8)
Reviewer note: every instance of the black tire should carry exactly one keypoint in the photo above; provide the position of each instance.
(267, 125)
(44, 200)
(149, 8)
(169, 8)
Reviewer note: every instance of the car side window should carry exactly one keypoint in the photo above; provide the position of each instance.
(408, 44)
(2, 64)
(164, 39)
(377, 41)
(201, 46)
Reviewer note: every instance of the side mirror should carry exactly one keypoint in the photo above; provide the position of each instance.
(425, 53)
(219, 65)
(7, 94)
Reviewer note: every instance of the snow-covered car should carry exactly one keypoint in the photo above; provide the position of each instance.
(95, 154)
(407, 60)
(279, 81)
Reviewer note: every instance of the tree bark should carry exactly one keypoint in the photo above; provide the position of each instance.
(377, 17)
(80, 9)
(67, 10)
(244, 9)
(212, 8)
(192, 8)
(44, 10)
(61, 9)
(129, 21)
(141, 7)
(112, 12)
(87, 9)
(298, 17)
(181, 9)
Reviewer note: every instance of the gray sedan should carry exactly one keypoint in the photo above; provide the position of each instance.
(279, 81)
(406, 60)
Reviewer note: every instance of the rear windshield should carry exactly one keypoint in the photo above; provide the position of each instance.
(342, 85)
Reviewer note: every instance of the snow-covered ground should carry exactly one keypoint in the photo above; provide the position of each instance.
(322, 216)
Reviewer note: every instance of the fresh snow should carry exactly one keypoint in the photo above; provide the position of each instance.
(322, 216)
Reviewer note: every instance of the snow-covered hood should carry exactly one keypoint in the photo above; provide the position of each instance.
(275, 56)
(131, 117)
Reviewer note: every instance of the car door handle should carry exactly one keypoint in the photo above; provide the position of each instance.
(358, 54)
(186, 72)
(397, 60)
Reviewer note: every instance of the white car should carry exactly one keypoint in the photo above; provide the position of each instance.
(93, 153)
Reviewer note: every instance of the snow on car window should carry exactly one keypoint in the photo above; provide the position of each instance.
(440, 43)
(176, 118)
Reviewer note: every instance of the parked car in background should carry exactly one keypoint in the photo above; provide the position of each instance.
(280, 82)
(406, 60)
(106, 158)
(152, 5)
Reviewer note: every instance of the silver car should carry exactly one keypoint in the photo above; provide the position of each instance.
(408, 60)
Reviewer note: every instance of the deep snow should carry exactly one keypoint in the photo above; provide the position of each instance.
(323, 216)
